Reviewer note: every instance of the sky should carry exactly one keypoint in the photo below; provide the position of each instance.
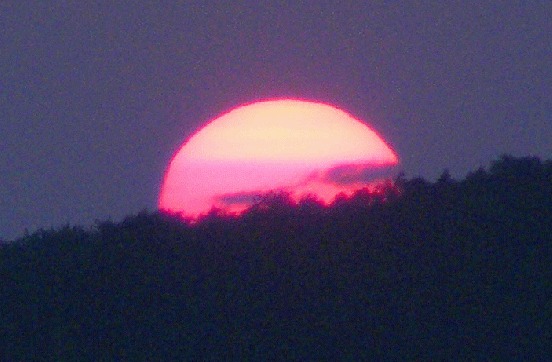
(96, 97)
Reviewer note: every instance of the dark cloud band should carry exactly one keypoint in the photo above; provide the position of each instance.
(340, 175)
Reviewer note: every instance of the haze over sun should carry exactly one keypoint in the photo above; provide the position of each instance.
(287, 145)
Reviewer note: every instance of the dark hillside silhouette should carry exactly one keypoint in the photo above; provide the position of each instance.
(450, 270)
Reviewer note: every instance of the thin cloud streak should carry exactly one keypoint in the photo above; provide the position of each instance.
(324, 184)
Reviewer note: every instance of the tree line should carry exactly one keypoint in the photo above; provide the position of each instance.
(416, 270)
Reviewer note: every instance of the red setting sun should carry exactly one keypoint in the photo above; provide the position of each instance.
(300, 147)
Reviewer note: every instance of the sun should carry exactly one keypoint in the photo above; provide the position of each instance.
(296, 146)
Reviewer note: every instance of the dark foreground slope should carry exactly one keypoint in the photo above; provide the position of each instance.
(449, 270)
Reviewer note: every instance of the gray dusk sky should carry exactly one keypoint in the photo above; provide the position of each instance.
(96, 96)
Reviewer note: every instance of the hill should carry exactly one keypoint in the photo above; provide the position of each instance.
(417, 271)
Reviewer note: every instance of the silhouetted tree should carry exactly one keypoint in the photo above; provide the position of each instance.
(445, 178)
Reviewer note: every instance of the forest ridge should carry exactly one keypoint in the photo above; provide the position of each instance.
(414, 271)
